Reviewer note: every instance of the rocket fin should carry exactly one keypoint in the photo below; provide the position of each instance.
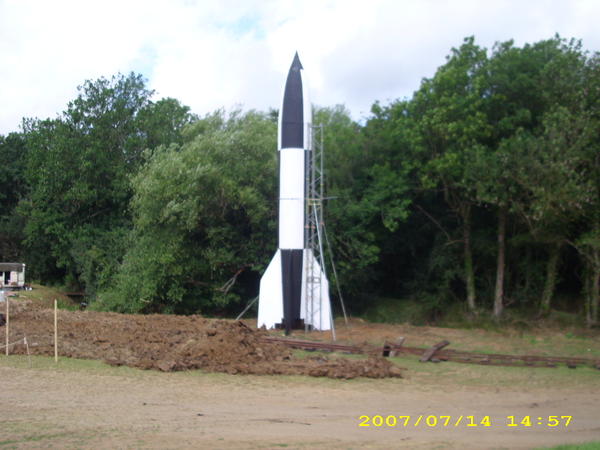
(270, 300)
(315, 306)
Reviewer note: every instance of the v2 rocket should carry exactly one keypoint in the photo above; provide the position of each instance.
(294, 291)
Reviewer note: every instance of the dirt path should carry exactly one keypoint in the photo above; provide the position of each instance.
(107, 407)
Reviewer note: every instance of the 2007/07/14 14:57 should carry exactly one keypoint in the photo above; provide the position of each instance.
(456, 421)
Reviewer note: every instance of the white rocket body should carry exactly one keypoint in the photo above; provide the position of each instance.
(283, 300)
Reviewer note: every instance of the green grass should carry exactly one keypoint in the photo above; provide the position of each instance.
(457, 374)
(33, 433)
(546, 343)
(429, 311)
(587, 446)
(36, 437)
(44, 363)
(576, 342)
(393, 310)
(45, 295)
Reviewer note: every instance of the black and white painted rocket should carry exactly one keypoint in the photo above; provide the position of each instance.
(283, 299)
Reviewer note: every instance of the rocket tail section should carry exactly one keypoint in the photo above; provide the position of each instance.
(301, 300)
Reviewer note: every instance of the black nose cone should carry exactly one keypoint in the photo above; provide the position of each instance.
(292, 119)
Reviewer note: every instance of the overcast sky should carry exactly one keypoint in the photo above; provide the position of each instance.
(223, 53)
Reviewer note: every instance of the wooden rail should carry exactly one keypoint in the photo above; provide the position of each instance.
(436, 354)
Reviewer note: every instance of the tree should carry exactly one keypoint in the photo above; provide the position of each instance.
(204, 215)
(524, 158)
(12, 189)
(162, 122)
(79, 167)
(450, 110)
(367, 188)
(588, 242)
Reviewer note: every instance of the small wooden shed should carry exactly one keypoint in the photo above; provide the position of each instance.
(12, 275)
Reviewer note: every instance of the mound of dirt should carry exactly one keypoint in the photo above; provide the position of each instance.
(169, 343)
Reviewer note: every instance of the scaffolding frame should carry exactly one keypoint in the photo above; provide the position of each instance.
(314, 227)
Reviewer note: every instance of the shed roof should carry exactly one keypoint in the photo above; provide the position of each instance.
(12, 267)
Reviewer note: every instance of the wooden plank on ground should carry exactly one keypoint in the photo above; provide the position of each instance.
(431, 351)
(398, 345)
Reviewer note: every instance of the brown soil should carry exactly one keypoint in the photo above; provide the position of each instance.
(172, 343)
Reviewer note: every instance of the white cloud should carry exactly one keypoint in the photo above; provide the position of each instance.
(211, 53)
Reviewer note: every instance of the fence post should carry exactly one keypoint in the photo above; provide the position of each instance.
(55, 331)
(7, 320)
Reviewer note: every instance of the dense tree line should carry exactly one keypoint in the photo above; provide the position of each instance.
(480, 193)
